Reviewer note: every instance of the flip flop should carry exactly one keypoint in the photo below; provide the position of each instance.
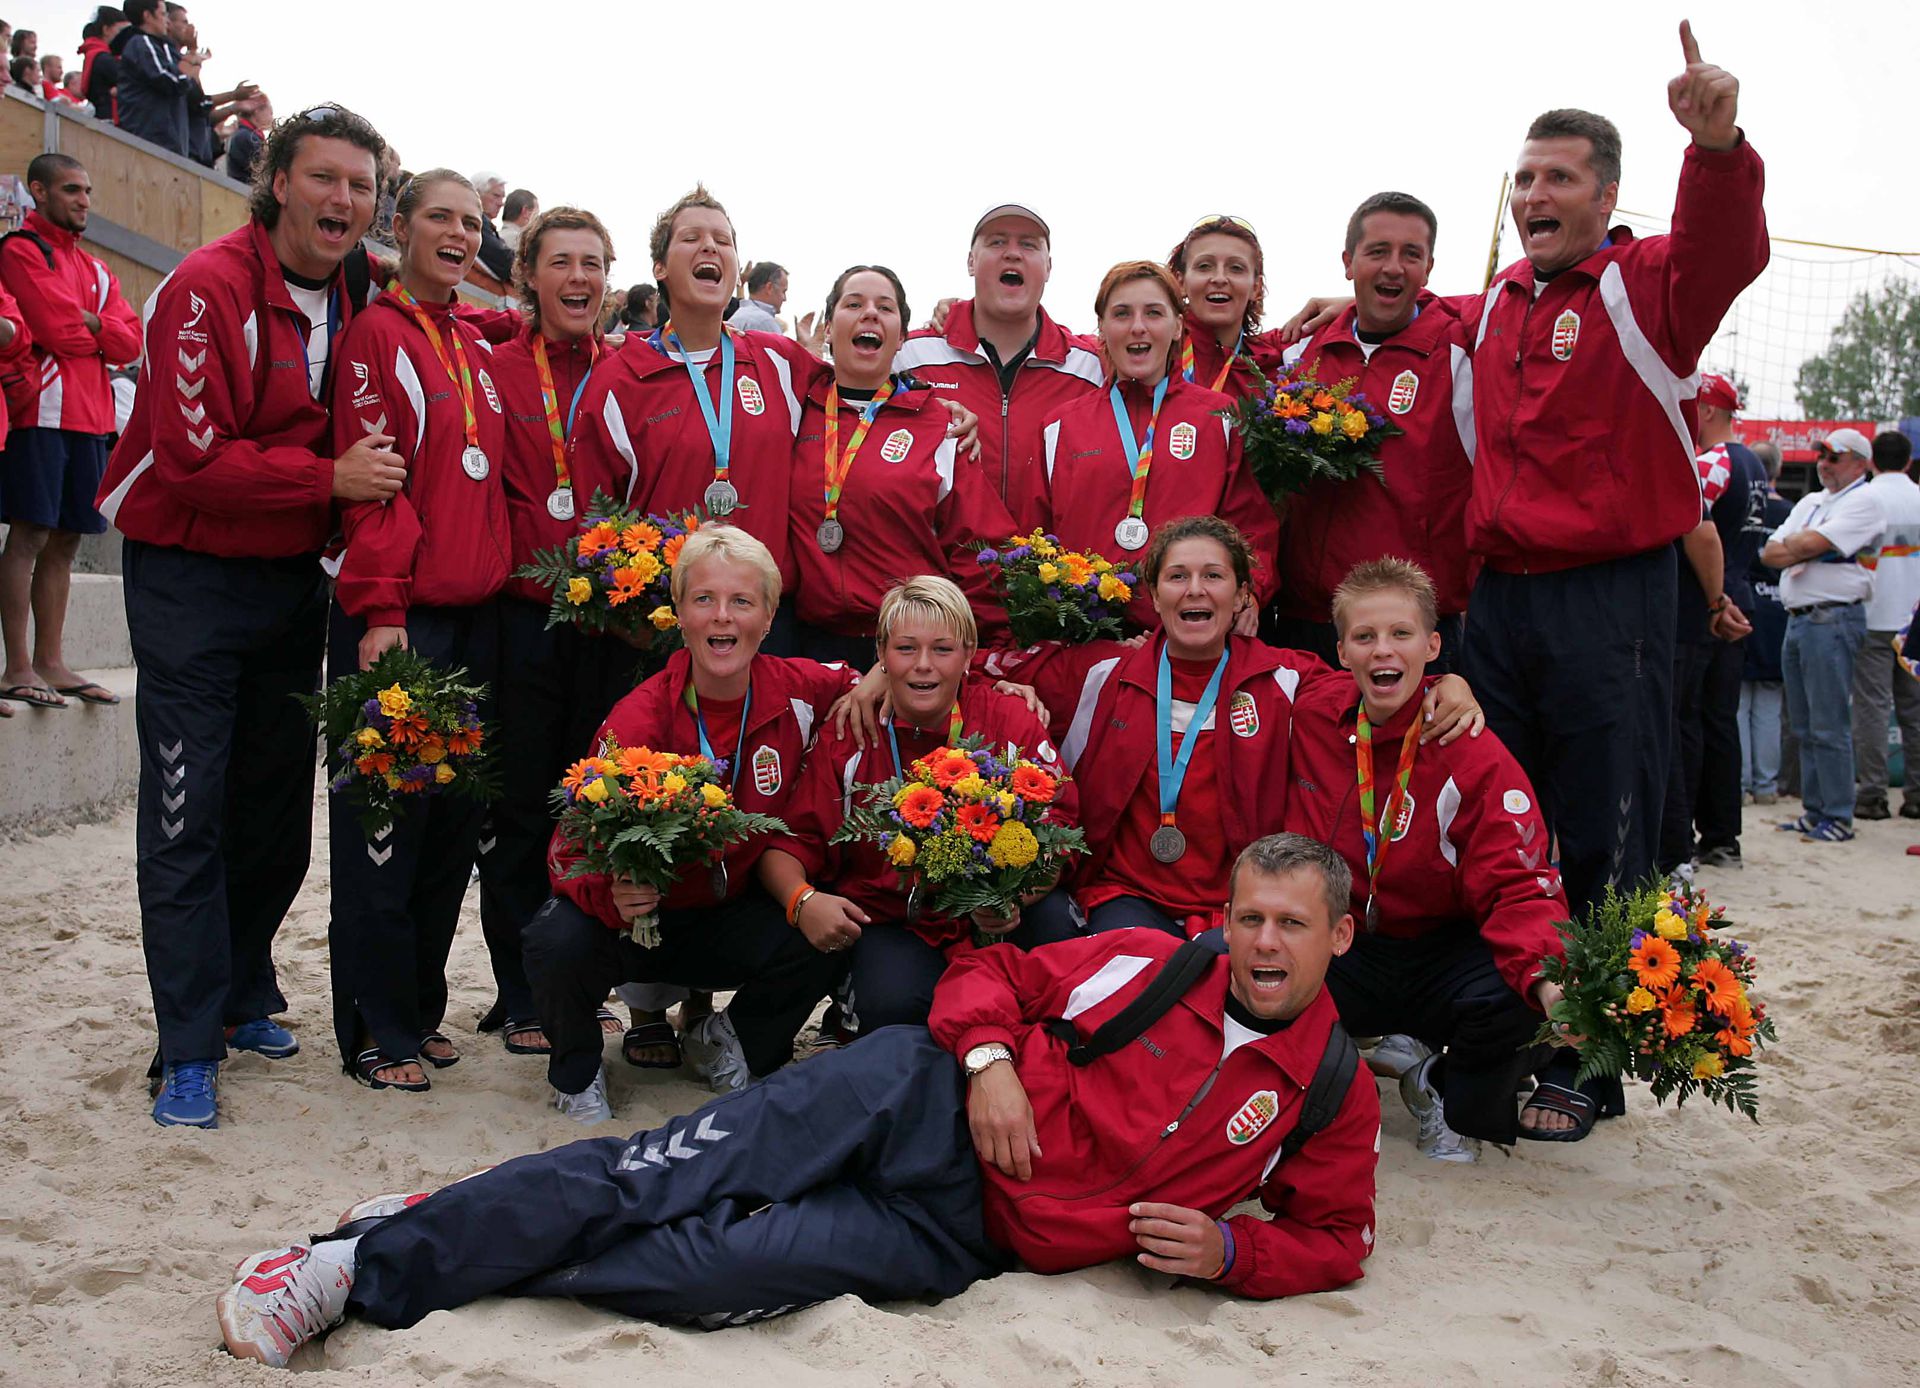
(605, 1015)
(34, 695)
(439, 1062)
(370, 1062)
(90, 692)
(513, 1026)
(1557, 1098)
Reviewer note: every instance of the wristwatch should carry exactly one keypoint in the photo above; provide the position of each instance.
(980, 1057)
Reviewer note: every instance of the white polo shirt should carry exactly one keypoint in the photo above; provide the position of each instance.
(1852, 521)
(1896, 568)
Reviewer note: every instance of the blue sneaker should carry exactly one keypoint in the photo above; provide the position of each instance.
(264, 1036)
(186, 1098)
(1825, 830)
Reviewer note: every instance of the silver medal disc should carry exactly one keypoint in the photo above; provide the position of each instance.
(474, 460)
(831, 535)
(1168, 844)
(1131, 533)
(718, 874)
(560, 503)
(721, 498)
(913, 904)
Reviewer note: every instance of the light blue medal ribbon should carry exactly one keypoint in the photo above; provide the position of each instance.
(721, 494)
(706, 747)
(1168, 843)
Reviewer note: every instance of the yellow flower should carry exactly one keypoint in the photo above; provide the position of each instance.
(1013, 845)
(1669, 926)
(715, 796)
(443, 773)
(1639, 1000)
(674, 783)
(901, 851)
(1709, 1066)
(647, 565)
(1006, 802)
(579, 591)
(393, 780)
(1322, 423)
(1101, 566)
(370, 737)
(1112, 589)
(1044, 548)
(394, 701)
(1353, 424)
(970, 786)
(1049, 573)
(595, 790)
(663, 619)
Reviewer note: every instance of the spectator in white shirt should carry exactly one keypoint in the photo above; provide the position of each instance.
(766, 296)
(1879, 685)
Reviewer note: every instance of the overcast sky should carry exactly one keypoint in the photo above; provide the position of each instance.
(838, 132)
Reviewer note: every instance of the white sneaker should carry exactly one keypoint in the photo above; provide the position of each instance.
(1392, 1056)
(379, 1207)
(713, 1049)
(589, 1105)
(282, 1298)
(1436, 1140)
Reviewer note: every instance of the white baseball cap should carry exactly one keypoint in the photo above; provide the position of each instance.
(1847, 441)
(1013, 209)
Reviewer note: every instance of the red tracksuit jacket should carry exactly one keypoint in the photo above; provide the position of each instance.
(1080, 484)
(859, 871)
(1167, 1120)
(1102, 697)
(1266, 349)
(528, 471)
(66, 386)
(1583, 397)
(1474, 846)
(443, 542)
(1419, 379)
(910, 505)
(227, 452)
(640, 422)
(1060, 369)
(16, 359)
(788, 701)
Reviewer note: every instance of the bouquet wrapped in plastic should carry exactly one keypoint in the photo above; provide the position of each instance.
(1058, 594)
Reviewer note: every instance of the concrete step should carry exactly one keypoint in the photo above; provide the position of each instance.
(96, 630)
(61, 766)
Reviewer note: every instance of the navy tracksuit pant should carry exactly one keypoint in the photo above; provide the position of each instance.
(553, 691)
(397, 892)
(851, 1172)
(224, 647)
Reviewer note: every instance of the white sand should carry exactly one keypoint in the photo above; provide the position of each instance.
(1670, 1248)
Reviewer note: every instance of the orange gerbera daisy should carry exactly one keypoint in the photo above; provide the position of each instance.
(978, 821)
(1322, 400)
(638, 537)
(1032, 784)
(1655, 962)
(947, 766)
(375, 764)
(1733, 1042)
(670, 551)
(920, 805)
(1717, 982)
(1677, 1011)
(584, 770)
(408, 730)
(1293, 409)
(637, 761)
(627, 585)
(600, 537)
(464, 740)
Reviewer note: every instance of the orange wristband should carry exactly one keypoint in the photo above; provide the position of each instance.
(793, 900)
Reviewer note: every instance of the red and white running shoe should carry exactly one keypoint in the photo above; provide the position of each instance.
(279, 1300)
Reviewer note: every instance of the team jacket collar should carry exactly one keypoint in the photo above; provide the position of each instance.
(48, 232)
(1248, 659)
(769, 706)
(1395, 727)
(523, 341)
(1422, 335)
(1049, 346)
(276, 281)
(1521, 274)
(642, 358)
(1295, 1050)
(909, 396)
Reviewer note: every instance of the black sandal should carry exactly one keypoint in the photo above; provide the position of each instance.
(439, 1062)
(513, 1026)
(660, 1034)
(1557, 1098)
(370, 1062)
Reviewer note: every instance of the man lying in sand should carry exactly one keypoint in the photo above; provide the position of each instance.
(1106, 1096)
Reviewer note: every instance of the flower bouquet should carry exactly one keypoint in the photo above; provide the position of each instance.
(616, 575)
(1058, 594)
(1655, 993)
(967, 830)
(1295, 431)
(649, 817)
(402, 730)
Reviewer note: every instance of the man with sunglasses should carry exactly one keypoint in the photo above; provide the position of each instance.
(224, 487)
(1825, 588)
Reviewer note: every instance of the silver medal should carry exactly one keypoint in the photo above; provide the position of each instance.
(913, 904)
(1168, 844)
(718, 875)
(474, 460)
(721, 498)
(1372, 914)
(831, 535)
(1131, 533)
(560, 503)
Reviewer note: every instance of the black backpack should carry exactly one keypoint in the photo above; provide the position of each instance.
(1331, 1078)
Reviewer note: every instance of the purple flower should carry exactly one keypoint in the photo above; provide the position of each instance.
(1736, 949)
(371, 708)
(1638, 936)
(417, 774)
(1127, 577)
(989, 557)
(1296, 426)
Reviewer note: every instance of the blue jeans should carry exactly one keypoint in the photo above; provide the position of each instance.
(1817, 661)
(1760, 702)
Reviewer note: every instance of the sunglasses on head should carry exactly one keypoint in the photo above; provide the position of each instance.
(318, 114)
(1215, 218)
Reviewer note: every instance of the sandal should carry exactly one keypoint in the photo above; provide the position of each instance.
(651, 1035)
(439, 1062)
(1557, 1098)
(513, 1026)
(89, 692)
(370, 1062)
(35, 695)
(605, 1015)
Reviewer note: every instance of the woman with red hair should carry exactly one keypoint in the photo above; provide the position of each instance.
(1223, 287)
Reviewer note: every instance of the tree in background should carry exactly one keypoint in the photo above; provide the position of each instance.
(1871, 368)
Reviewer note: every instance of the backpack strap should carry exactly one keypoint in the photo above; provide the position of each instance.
(1167, 987)
(36, 238)
(1331, 1079)
(359, 276)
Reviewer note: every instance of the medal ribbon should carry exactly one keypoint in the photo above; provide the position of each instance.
(1220, 381)
(1173, 770)
(1139, 457)
(305, 329)
(719, 428)
(837, 466)
(1369, 823)
(706, 747)
(550, 402)
(463, 378)
(953, 737)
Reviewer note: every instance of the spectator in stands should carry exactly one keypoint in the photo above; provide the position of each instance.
(496, 256)
(253, 117)
(75, 93)
(521, 208)
(642, 311)
(24, 44)
(100, 62)
(60, 416)
(53, 71)
(1879, 684)
(6, 34)
(766, 294)
(152, 93)
(204, 111)
(25, 73)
